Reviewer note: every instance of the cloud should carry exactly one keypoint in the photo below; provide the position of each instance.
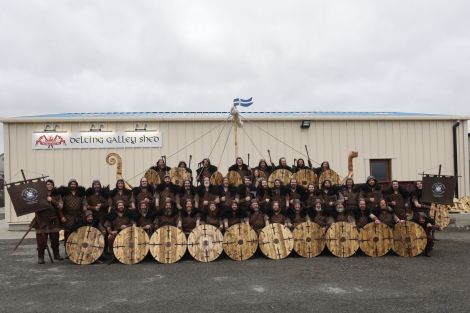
(67, 56)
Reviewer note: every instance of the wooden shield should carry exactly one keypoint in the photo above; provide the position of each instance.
(152, 177)
(85, 245)
(309, 239)
(168, 244)
(282, 174)
(342, 239)
(375, 239)
(440, 214)
(234, 178)
(216, 179)
(276, 241)
(179, 175)
(409, 239)
(305, 177)
(240, 242)
(131, 245)
(205, 243)
(331, 175)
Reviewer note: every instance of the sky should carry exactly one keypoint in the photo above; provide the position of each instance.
(94, 56)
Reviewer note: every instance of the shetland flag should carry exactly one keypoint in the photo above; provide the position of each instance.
(243, 102)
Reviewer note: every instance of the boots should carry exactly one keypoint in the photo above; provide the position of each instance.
(57, 256)
(41, 257)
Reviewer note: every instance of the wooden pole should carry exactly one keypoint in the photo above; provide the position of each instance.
(235, 137)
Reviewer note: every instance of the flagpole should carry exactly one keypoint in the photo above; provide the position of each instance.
(234, 123)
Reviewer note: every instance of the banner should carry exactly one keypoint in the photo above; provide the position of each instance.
(29, 197)
(96, 140)
(438, 189)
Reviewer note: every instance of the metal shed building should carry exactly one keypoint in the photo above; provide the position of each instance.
(394, 145)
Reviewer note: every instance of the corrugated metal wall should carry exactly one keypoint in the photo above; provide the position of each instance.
(413, 146)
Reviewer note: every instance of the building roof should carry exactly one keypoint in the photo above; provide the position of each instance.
(161, 116)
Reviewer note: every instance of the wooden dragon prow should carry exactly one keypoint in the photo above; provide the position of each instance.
(351, 156)
(114, 158)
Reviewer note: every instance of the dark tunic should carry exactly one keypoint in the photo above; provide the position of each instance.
(298, 218)
(188, 223)
(230, 194)
(93, 199)
(120, 195)
(205, 172)
(204, 194)
(141, 194)
(264, 198)
(48, 220)
(362, 217)
(212, 220)
(385, 216)
(257, 221)
(241, 170)
(117, 222)
(278, 218)
(367, 193)
(321, 219)
(280, 195)
(296, 193)
(399, 207)
(73, 204)
(167, 220)
(351, 198)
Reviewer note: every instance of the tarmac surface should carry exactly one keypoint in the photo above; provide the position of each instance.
(322, 284)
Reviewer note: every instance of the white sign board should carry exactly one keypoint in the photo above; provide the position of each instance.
(96, 140)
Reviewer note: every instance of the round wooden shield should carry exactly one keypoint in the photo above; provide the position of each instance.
(131, 245)
(305, 177)
(234, 178)
(375, 239)
(282, 174)
(440, 214)
(216, 179)
(409, 239)
(168, 244)
(179, 175)
(342, 239)
(152, 177)
(205, 243)
(331, 175)
(240, 242)
(276, 241)
(85, 245)
(309, 239)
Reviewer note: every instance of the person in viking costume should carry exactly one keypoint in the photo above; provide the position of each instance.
(97, 201)
(428, 225)
(298, 214)
(47, 223)
(350, 195)
(310, 197)
(182, 164)
(161, 169)
(324, 166)
(398, 198)
(145, 218)
(241, 168)
(263, 196)
(120, 193)
(257, 218)
(385, 214)
(227, 193)
(279, 193)
(319, 215)
(371, 192)
(169, 217)
(116, 221)
(341, 214)
(166, 191)
(246, 192)
(205, 193)
(282, 165)
(264, 168)
(213, 216)
(362, 214)
(300, 165)
(187, 192)
(189, 218)
(206, 170)
(277, 216)
(74, 203)
(329, 195)
(417, 204)
(294, 191)
(235, 215)
(144, 192)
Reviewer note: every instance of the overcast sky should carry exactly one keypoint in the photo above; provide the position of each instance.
(73, 56)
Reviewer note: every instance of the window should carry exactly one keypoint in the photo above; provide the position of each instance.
(381, 169)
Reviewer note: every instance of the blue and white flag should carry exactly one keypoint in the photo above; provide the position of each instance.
(243, 102)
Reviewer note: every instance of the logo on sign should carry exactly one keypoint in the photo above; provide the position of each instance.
(50, 141)
(30, 195)
(438, 189)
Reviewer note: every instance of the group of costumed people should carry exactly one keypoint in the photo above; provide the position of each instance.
(252, 202)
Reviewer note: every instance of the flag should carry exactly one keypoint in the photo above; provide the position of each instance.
(243, 102)
(29, 197)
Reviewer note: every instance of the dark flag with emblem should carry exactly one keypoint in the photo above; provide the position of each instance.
(438, 189)
(29, 197)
